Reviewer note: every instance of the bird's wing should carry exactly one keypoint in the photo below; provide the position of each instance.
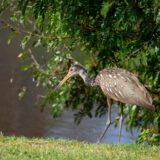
(142, 88)
(124, 86)
(133, 90)
(116, 85)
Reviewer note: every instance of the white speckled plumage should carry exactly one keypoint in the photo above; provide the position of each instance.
(125, 87)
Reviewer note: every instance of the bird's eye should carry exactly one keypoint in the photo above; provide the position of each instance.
(71, 69)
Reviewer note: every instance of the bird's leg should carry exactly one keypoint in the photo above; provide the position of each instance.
(108, 121)
(120, 126)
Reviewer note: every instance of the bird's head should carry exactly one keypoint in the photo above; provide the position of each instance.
(73, 71)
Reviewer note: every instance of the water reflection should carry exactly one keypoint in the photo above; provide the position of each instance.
(21, 118)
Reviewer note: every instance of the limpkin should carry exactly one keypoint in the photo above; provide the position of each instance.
(118, 84)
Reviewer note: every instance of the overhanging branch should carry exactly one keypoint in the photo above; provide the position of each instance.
(20, 30)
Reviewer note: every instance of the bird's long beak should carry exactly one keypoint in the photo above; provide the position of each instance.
(63, 81)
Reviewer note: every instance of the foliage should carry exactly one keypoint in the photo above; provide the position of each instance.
(38, 148)
(149, 136)
(109, 33)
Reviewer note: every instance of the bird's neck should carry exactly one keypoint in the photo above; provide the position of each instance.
(87, 79)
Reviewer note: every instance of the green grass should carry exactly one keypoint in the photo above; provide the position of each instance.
(13, 148)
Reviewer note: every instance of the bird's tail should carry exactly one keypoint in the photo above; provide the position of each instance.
(150, 107)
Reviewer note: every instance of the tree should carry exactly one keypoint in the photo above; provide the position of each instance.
(121, 33)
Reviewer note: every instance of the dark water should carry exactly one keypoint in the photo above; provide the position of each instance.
(21, 118)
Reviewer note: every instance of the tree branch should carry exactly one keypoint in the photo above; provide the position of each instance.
(155, 91)
(20, 30)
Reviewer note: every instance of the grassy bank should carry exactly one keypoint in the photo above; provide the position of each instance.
(12, 148)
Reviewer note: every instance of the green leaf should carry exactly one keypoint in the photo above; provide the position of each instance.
(157, 78)
(137, 61)
(158, 17)
(105, 8)
(144, 60)
(3, 27)
(11, 36)
(25, 40)
(21, 92)
(25, 67)
(21, 95)
(20, 55)
(3, 2)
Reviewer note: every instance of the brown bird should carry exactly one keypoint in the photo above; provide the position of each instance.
(118, 84)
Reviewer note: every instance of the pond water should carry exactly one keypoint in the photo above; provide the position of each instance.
(21, 118)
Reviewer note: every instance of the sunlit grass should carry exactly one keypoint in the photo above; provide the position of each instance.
(12, 148)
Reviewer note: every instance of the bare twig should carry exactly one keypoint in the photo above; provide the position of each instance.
(33, 58)
(38, 67)
(134, 52)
